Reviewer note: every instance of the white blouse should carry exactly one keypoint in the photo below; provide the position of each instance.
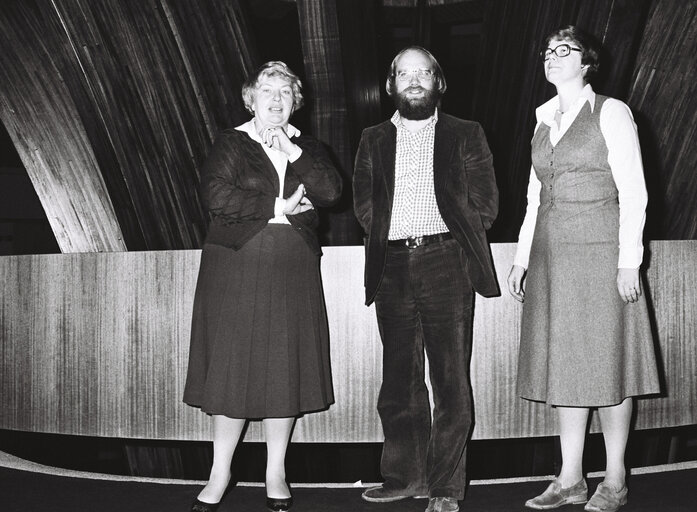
(624, 157)
(279, 160)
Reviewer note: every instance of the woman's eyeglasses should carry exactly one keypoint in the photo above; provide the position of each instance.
(421, 74)
(563, 50)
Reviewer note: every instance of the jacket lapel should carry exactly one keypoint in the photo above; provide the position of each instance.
(443, 149)
(387, 144)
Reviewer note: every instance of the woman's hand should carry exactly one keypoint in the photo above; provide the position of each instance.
(275, 137)
(515, 282)
(297, 202)
(628, 284)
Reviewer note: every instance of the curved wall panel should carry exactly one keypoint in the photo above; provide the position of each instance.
(97, 344)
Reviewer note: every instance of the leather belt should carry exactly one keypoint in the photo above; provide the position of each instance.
(415, 241)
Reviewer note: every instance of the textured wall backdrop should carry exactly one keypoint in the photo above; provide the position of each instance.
(97, 344)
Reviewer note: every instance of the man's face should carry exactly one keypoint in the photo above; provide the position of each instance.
(415, 95)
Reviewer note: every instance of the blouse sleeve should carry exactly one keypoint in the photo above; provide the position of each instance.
(624, 158)
(527, 230)
(314, 168)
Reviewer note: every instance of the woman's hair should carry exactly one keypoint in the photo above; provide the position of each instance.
(590, 49)
(274, 68)
(437, 71)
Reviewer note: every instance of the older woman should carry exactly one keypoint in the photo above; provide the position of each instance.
(259, 338)
(585, 335)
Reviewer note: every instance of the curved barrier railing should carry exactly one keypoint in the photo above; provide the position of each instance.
(96, 344)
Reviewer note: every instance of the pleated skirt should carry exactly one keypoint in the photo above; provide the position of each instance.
(259, 336)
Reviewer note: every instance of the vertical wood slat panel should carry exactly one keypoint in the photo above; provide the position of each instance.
(113, 106)
(511, 83)
(41, 115)
(663, 96)
(321, 45)
(148, 66)
(97, 344)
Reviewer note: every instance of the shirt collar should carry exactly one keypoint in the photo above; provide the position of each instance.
(397, 119)
(249, 128)
(545, 112)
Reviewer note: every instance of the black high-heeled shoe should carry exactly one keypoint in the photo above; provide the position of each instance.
(202, 506)
(279, 504)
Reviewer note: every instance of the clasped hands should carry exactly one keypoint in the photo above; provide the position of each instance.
(276, 137)
(628, 284)
(297, 202)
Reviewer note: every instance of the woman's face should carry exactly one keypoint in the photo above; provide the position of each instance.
(559, 70)
(273, 102)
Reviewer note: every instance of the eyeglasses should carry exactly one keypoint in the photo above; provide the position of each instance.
(421, 74)
(563, 50)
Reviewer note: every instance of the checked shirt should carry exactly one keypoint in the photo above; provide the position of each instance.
(414, 209)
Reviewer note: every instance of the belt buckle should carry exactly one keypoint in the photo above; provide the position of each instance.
(414, 241)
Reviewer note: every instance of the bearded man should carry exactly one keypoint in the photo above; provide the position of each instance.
(424, 192)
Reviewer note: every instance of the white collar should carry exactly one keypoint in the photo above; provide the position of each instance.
(545, 112)
(249, 128)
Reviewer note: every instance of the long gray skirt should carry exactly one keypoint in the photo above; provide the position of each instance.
(580, 344)
(259, 336)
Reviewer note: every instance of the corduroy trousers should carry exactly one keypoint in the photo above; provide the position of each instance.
(424, 304)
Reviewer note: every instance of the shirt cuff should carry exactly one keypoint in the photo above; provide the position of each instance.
(279, 207)
(522, 260)
(295, 154)
(630, 257)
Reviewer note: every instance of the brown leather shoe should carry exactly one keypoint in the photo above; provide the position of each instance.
(606, 499)
(556, 496)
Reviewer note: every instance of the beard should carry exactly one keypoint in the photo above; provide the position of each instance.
(417, 109)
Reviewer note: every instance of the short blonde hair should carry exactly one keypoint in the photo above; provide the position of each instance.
(272, 68)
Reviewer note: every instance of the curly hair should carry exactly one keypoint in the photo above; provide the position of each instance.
(274, 68)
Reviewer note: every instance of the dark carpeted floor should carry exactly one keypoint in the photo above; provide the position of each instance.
(24, 491)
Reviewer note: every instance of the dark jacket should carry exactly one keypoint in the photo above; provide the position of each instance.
(465, 188)
(239, 187)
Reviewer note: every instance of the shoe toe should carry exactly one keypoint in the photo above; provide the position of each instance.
(606, 499)
(279, 504)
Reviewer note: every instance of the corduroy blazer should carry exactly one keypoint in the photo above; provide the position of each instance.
(465, 188)
(239, 187)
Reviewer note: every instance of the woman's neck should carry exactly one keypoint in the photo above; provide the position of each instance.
(568, 93)
(259, 127)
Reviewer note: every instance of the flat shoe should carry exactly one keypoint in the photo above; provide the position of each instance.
(606, 499)
(279, 504)
(443, 504)
(556, 496)
(202, 506)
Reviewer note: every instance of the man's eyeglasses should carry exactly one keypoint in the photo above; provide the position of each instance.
(421, 74)
(563, 50)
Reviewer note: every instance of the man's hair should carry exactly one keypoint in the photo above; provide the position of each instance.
(272, 68)
(437, 71)
(590, 49)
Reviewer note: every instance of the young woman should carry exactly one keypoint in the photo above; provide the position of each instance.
(585, 334)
